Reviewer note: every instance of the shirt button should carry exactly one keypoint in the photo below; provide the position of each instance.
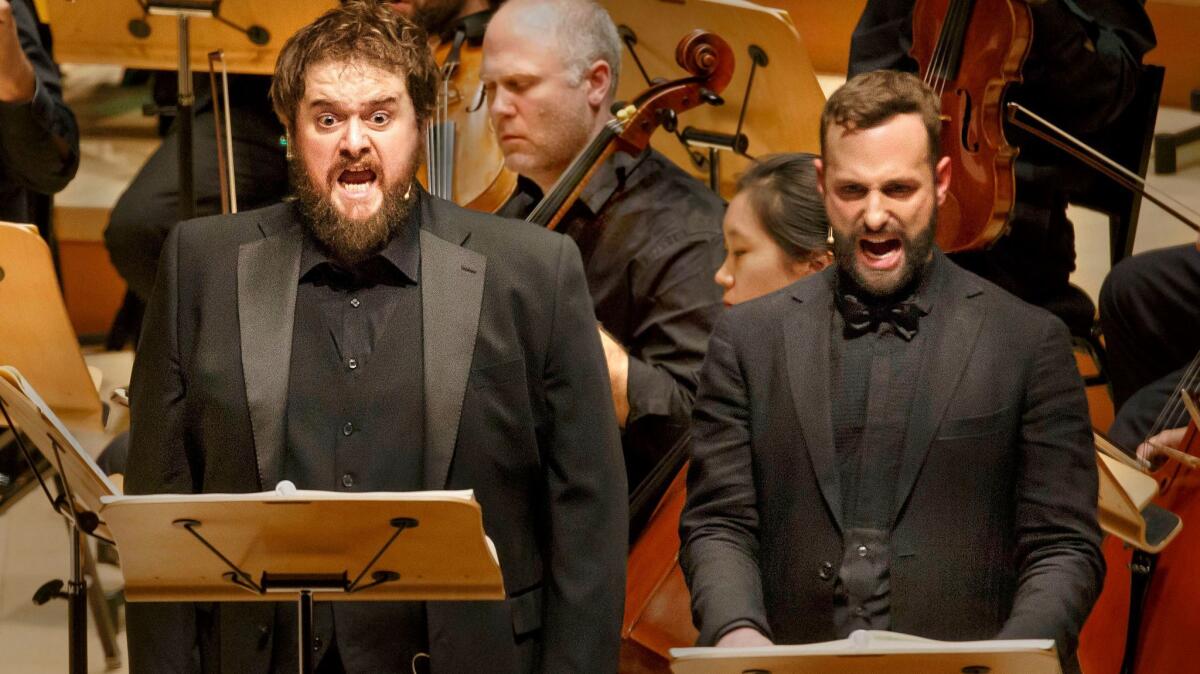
(859, 611)
(347, 480)
(354, 302)
(825, 572)
(352, 363)
(862, 551)
(348, 428)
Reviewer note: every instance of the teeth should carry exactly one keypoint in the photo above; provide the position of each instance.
(356, 187)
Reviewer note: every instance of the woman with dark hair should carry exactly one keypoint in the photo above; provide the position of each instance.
(775, 228)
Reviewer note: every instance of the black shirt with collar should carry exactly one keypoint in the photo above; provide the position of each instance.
(871, 387)
(355, 413)
(650, 236)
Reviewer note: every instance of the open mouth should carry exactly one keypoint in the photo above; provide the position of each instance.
(357, 181)
(882, 255)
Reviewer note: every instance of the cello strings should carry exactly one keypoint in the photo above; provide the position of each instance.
(1174, 413)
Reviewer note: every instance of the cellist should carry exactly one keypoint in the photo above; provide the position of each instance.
(1081, 74)
(649, 233)
(1149, 310)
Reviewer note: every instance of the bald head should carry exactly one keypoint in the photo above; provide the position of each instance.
(581, 31)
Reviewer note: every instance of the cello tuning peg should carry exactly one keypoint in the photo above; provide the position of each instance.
(711, 98)
(668, 119)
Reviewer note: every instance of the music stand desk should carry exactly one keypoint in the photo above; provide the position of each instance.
(437, 546)
(874, 652)
(304, 546)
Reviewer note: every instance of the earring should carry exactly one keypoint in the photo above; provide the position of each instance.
(286, 141)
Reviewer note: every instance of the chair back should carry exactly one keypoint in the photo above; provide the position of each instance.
(1127, 141)
(36, 335)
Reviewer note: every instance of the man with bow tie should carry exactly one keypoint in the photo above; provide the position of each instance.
(893, 443)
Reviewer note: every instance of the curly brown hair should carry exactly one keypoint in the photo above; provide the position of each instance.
(359, 31)
(872, 98)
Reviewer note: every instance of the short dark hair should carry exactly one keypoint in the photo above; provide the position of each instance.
(360, 31)
(782, 191)
(872, 98)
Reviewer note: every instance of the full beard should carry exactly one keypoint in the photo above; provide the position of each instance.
(916, 260)
(347, 240)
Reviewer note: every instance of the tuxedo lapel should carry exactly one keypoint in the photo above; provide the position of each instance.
(268, 274)
(806, 335)
(953, 327)
(452, 280)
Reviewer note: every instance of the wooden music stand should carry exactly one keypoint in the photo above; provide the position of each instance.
(304, 546)
(1125, 496)
(100, 31)
(783, 110)
(874, 652)
(283, 545)
(81, 484)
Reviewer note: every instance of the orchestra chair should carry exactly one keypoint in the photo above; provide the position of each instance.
(36, 337)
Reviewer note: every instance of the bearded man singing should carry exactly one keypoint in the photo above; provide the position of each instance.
(368, 337)
(893, 443)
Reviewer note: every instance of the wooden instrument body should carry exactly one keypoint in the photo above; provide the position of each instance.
(480, 180)
(1170, 618)
(658, 614)
(994, 46)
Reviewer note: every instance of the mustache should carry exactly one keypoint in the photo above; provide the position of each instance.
(362, 164)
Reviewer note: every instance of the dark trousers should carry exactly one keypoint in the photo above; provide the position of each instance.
(1149, 311)
(149, 207)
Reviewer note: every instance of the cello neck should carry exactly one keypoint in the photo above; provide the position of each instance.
(566, 189)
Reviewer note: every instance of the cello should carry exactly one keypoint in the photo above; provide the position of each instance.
(969, 52)
(463, 160)
(1146, 615)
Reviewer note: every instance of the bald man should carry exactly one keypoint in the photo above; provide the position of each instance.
(650, 234)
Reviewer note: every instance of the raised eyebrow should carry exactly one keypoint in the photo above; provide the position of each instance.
(385, 102)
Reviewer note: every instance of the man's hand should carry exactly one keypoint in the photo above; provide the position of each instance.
(1151, 448)
(743, 637)
(17, 80)
(618, 375)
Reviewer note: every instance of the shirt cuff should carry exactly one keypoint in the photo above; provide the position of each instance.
(648, 391)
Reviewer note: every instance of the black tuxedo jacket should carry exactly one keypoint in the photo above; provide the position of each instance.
(995, 530)
(517, 407)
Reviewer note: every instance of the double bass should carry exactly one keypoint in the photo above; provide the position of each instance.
(463, 160)
(969, 52)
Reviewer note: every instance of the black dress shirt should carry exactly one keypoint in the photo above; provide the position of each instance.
(355, 411)
(39, 139)
(651, 241)
(872, 394)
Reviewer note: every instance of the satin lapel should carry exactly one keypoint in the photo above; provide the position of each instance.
(268, 274)
(451, 297)
(953, 330)
(806, 335)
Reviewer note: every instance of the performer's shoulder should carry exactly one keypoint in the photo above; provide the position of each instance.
(999, 304)
(233, 229)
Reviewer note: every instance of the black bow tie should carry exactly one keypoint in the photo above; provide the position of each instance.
(861, 318)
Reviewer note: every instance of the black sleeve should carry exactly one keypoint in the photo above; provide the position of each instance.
(1082, 68)
(678, 304)
(39, 139)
